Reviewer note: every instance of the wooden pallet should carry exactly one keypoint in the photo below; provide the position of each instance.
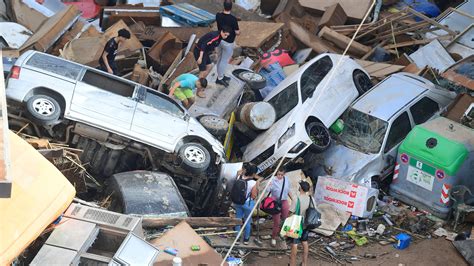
(188, 14)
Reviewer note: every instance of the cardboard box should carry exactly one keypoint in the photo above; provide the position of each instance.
(356, 199)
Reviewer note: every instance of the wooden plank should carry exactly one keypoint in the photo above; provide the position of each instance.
(155, 33)
(192, 221)
(182, 237)
(334, 15)
(309, 39)
(52, 29)
(254, 34)
(5, 176)
(379, 70)
(343, 41)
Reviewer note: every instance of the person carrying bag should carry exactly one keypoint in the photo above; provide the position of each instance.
(297, 222)
(276, 203)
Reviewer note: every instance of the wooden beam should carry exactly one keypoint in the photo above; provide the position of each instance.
(192, 221)
(309, 39)
(343, 41)
(432, 21)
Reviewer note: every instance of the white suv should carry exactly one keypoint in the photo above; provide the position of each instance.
(54, 90)
(305, 109)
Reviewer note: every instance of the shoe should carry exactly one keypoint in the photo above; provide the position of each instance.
(246, 241)
(273, 243)
(222, 82)
(226, 79)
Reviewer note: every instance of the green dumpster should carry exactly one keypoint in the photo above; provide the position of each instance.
(434, 157)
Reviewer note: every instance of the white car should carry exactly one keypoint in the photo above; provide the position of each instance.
(374, 127)
(306, 106)
(53, 91)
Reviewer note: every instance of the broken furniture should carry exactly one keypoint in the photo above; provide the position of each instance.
(110, 15)
(88, 236)
(188, 14)
(460, 207)
(162, 54)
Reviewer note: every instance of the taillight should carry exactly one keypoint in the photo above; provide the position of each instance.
(15, 72)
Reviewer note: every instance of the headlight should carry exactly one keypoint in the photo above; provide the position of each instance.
(287, 135)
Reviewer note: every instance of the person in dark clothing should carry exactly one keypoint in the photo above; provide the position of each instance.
(203, 49)
(107, 59)
(226, 47)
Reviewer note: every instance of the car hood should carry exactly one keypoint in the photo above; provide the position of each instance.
(266, 139)
(345, 163)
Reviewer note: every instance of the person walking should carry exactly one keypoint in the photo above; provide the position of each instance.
(304, 202)
(243, 196)
(280, 190)
(205, 46)
(107, 59)
(185, 86)
(226, 47)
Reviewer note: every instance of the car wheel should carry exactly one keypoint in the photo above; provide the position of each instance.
(215, 125)
(44, 110)
(195, 157)
(255, 80)
(319, 135)
(361, 81)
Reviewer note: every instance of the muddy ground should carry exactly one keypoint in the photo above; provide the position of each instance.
(425, 252)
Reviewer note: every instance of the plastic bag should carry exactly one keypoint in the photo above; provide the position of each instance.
(292, 227)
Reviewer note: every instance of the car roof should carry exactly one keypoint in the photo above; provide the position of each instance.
(389, 96)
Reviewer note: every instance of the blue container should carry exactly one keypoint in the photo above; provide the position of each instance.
(403, 241)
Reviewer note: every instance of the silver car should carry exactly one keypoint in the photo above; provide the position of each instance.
(52, 90)
(376, 124)
(306, 105)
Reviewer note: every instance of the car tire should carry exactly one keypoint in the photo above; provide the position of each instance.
(319, 135)
(255, 80)
(361, 81)
(215, 125)
(195, 158)
(43, 109)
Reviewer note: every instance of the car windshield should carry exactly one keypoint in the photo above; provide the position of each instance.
(362, 132)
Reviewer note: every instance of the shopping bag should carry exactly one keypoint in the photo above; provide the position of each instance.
(292, 227)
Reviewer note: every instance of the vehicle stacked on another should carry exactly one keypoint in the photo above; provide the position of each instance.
(374, 127)
(118, 123)
(306, 105)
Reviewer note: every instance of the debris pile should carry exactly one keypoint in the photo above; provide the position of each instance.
(370, 104)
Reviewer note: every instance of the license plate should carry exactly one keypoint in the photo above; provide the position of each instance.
(269, 162)
(420, 178)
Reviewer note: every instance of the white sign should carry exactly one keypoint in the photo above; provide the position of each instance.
(420, 178)
(346, 196)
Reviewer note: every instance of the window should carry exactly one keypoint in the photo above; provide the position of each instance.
(154, 99)
(107, 83)
(313, 75)
(55, 65)
(398, 131)
(423, 110)
(285, 101)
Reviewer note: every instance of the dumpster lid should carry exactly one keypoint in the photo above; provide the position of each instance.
(440, 142)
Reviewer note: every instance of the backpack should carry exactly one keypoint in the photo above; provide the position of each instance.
(238, 194)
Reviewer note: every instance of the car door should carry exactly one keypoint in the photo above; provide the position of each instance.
(104, 101)
(159, 120)
(399, 129)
